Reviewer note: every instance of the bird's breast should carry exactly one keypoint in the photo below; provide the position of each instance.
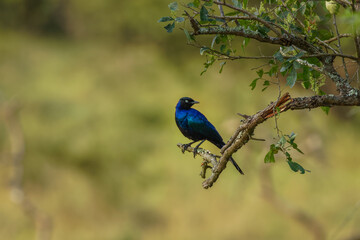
(181, 119)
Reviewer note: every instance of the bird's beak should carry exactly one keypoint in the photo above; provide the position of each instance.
(195, 102)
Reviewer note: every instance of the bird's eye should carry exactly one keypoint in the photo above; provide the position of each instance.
(186, 101)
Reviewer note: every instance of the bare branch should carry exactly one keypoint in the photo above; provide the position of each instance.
(356, 7)
(205, 154)
(336, 38)
(238, 31)
(244, 132)
(339, 46)
(221, 11)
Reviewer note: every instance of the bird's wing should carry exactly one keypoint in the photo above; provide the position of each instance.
(199, 124)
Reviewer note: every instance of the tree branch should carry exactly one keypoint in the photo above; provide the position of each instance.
(287, 39)
(252, 16)
(336, 38)
(348, 96)
(229, 57)
(244, 132)
(237, 31)
(339, 46)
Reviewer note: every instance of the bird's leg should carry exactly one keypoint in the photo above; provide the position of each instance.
(196, 148)
(187, 145)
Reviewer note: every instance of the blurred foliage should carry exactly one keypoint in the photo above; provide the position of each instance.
(97, 104)
(122, 20)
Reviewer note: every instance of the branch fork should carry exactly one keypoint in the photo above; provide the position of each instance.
(245, 131)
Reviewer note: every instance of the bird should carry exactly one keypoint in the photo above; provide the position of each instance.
(195, 126)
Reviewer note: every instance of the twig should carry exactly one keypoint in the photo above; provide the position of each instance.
(253, 17)
(355, 7)
(339, 46)
(274, 109)
(326, 45)
(206, 155)
(224, 56)
(330, 40)
(292, 14)
(221, 11)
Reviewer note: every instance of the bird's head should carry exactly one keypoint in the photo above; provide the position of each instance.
(186, 103)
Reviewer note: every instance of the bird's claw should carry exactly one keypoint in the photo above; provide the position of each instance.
(185, 146)
(195, 151)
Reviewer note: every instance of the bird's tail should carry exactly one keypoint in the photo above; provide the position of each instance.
(236, 166)
(220, 145)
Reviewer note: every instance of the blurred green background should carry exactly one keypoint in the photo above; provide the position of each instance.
(97, 83)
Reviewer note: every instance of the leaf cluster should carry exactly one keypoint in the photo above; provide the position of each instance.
(284, 145)
(271, 18)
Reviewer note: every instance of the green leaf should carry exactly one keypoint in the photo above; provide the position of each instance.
(245, 2)
(195, 3)
(306, 77)
(253, 83)
(278, 56)
(332, 6)
(325, 109)
(288, 157)
(173, 6)
(273, 70)
(282, 141)
(165, 19)
(188, 36)
(302, 8)
(263, 30)
(324, 34)
(299, 55)
(296, 167)
(292, 137)
(221, 66)
(314, 60)
(179, 19)
(246, 41)
(222, 48)
(244, 44)
(215, 40)
(232, 13)
(269, 157)
(296, 65)
(204, 14)
(291, 78)
(203, 50)
(237, 4)
(266, 84)
(169, 28)
(209, 3)
(207, 64)
(285, 67)
(260, 73)
(294, 145)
